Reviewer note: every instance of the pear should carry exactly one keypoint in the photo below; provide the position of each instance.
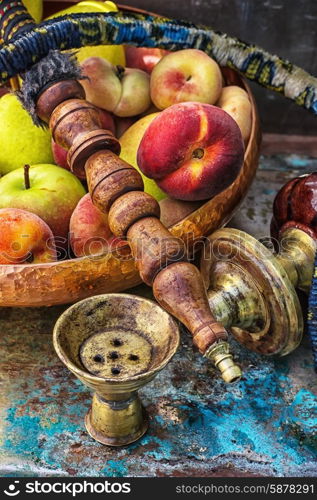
(35, 8)
(102, 86)
(21, 141)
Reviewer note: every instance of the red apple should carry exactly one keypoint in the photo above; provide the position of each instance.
(144, 58)
(192, 150)
(25, 238)
(89, 230)
(60, 154)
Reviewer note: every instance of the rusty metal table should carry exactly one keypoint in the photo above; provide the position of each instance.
(264, 425)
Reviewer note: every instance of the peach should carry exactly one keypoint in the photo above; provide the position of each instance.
(192, 150)
(89, 230)
(123, 91)
(144, 58)
(59, 155)
(235, 101)
(185, 75)
(135, 96)
(25, 238)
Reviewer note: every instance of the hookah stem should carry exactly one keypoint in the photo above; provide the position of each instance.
(77, 30)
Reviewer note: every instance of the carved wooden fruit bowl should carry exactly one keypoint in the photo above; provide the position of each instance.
(75, 279)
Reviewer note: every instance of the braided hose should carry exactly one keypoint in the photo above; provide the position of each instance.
(115, 28)
(312, 314)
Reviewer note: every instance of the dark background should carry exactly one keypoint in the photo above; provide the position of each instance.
(285, 27)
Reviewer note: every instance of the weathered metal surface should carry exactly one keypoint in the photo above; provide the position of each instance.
(264, 425)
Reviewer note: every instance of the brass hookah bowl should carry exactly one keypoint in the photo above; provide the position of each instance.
(115, 344)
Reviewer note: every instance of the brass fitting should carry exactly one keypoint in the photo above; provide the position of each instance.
(220, 355)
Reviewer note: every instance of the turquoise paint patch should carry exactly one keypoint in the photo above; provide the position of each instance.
(115, 468)
(301, 417)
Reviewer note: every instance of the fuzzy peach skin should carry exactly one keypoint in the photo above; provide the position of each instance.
(123, 91)
(192, 150)
(89, 230)
(235, 101)
(185, 75)
(25, 238)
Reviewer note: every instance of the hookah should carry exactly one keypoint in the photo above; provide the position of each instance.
(253, 296)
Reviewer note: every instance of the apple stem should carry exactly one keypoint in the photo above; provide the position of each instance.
(120, 71)
(27, 184)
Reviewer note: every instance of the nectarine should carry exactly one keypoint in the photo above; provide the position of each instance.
(123, 91)
(89, 230)
(185, 75)
(192, 150)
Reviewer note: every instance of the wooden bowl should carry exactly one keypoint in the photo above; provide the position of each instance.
(75, 279)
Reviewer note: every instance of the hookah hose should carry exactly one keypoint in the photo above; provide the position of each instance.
(24, 44)
(312, 314)
(27, 43)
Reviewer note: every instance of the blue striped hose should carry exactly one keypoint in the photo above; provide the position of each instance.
(312, 314)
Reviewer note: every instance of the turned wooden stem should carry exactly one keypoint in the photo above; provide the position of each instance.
(117, 188)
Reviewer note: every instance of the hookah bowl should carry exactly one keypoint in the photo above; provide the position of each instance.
(115, 344)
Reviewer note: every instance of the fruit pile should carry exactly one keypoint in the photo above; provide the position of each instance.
(176, 123)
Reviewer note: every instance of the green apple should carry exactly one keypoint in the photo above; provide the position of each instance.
(21, 141)
(130, 141)
(48, 191)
